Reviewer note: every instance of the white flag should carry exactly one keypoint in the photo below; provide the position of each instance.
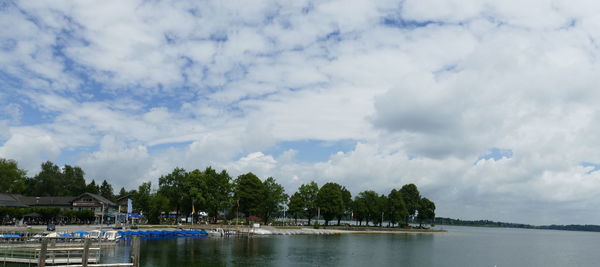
(129, 206)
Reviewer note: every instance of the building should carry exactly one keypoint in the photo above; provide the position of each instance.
(122, 202)
(104, 209)
(11, 200)
(64, 203)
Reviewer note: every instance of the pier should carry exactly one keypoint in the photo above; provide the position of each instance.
(81, 254)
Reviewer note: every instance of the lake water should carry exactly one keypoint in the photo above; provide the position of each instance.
(461, 246)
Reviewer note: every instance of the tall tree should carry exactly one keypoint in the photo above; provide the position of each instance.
(54, 181)
(330, 202)
(411, 197)
(141, 198)
(220, 188)
(92, 187)
(347, 200)
(396, 209)
(12, 179)
(106, 190)
(172, 187)
(296, 206)
(426, 210)
(157, 205)
(73, 180)
(48, 182)
(359, 207)
(309, 192)
(195, 192)
(373, 206)
(249, 192)
(379, 209)
(273, 200)
(122, 193)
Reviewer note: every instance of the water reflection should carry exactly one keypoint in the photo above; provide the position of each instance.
(459, 247)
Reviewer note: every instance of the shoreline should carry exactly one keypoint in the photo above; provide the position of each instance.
(262, 230)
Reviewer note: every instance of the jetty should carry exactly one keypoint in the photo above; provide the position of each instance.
(83, 254)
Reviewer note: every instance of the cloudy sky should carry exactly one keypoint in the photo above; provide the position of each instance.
(490, 107)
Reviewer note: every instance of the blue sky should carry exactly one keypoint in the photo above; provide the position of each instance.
(484, 105)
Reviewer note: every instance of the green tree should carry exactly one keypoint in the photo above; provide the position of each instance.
(106, 190)
(330, 202)
(379, 209)
(219, 188)
(54, 181)
(141, 198)
(12, 179)
(411, 197)
(274, 198)
(73, 180)
(347, 200)
(426, 210)
(158, 204)
(172, 187)
(195, 192)
(373, 206)
(48, 182)
(359, 208)
(92, 187)
(249, 192)
(396, 209)
(122, 193)
(308, 193)
(48, 214)
(296, 206)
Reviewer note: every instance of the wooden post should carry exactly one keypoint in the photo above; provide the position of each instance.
(135, 252)
(86, 252)
(43, 251)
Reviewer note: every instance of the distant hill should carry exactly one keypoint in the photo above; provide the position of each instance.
(488, 223)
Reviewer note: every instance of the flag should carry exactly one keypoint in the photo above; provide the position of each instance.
(238, 203)
(193, 210)
(129, 205)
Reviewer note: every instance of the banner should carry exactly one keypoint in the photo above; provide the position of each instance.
(129, 206)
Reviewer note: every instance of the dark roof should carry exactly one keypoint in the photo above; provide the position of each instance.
(124, 197)
(10, 200)
(47, 201)
(97, 197)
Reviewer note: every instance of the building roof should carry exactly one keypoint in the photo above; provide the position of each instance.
(125, 197)
(47, 201)
(97, 197)
(10, 200)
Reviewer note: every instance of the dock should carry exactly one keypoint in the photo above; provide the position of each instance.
(84, 255)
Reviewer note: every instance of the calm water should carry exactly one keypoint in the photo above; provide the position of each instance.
(461, 246)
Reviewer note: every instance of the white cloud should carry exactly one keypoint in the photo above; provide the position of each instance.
(156, 85)
(114, 159)
(30, 147)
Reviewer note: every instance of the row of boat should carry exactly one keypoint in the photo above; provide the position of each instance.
(114, 235)
(163, 233)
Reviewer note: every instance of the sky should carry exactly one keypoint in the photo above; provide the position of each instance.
(489, 107)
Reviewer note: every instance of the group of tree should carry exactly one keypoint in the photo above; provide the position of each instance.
(181, 192)
(52, 180)
(35, 215)
(333, 201)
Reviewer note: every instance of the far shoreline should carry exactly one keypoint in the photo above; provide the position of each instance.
(262, 230)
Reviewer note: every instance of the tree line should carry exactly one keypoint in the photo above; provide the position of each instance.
(488, 223)
(222, 196)
(52, 180)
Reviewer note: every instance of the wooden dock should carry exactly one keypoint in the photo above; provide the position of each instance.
(84, 256)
